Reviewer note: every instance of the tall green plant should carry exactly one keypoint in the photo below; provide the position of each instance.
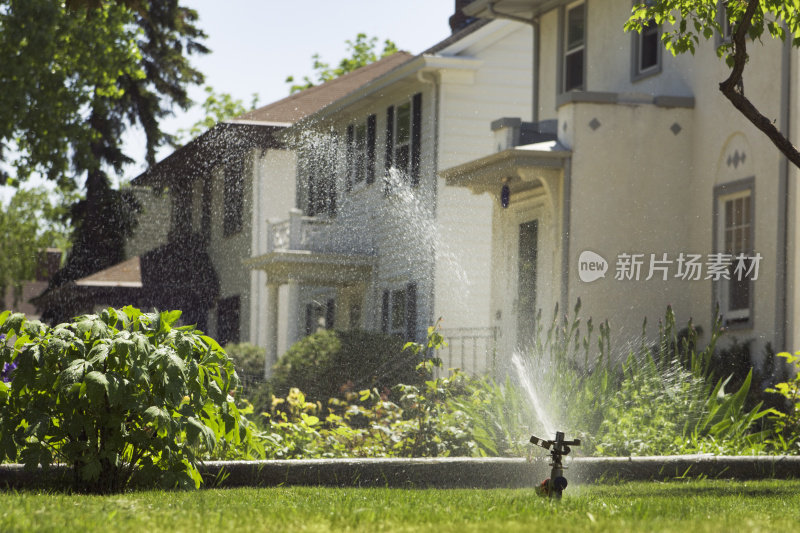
(117, 396)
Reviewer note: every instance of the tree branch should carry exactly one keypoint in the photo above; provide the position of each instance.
(733, 89)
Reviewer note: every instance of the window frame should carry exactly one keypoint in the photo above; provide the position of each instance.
(563, 47)
(411, 172)
(745, 188)
(637, 42)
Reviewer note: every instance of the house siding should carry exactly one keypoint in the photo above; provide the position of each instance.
(501, 88)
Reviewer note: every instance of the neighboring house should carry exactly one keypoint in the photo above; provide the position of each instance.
(205, 210)
(646, 165)
(377, 241)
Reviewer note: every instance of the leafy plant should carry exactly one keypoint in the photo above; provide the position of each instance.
(119, 395)
(786, 425)
(328, 363)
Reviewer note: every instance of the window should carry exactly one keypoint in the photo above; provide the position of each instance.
(724, 21)
(574, 48)
(647, 51)
(233, 197)
(403, 137)
(320, 316)
(361, 152)
(399, 311)
(735, 232)
(228, 320)
(320, 171)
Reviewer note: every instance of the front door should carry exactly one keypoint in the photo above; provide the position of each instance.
(526, 287)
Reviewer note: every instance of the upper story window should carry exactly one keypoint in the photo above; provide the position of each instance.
(320, 170)
(361, 151)
(647, 50)
(735, 231)
(233, 197)
(403, 139)
(574, 48)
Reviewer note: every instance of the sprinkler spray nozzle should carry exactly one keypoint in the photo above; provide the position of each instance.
(558, 447)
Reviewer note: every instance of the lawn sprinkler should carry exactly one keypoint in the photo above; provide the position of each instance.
(556, 483)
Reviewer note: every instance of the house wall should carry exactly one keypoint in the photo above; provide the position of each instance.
(153, 222)
(500, 87)
(227, 253)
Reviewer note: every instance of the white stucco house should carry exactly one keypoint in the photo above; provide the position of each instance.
(649, 176)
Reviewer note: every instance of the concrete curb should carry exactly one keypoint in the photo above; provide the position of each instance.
(454, 472)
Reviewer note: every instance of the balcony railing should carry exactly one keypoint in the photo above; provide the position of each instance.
(297, 233)
(472, 350)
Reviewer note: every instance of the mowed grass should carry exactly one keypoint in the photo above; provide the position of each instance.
(679, 506)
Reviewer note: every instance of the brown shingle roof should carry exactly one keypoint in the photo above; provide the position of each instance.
(303, 103)
(125, 274)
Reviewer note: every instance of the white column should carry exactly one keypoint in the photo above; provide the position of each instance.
(272, 328)
(293, 314)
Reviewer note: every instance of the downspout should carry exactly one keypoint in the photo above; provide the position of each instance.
(431, 78)
(781, 278)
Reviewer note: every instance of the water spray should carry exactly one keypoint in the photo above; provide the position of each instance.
(556, 483)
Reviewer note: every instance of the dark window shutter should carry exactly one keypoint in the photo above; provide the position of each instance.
(385, 313)
(411, 312)
(416, 138)
(388, 159)
(372, 127)
(330, 314)
(350, 155)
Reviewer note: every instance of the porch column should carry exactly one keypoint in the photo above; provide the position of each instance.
(293, 313)
(272, 328)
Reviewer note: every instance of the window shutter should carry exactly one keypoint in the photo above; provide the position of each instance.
(385, 313)
(416, 137)
(388, 159)
(372, 126)
(411, 312)
(350, 155)
(330, 314)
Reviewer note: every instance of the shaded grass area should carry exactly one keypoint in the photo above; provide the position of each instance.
(695, 506)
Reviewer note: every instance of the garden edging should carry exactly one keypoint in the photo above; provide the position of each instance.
(450, 472)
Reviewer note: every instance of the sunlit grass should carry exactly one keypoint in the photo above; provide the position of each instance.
(675, 506)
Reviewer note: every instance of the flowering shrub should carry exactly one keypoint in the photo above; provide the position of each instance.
(117, 396)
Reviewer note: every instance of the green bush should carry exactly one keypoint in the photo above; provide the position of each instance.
(785, 436)
(118, 396)
(327, 363)
(249, 362)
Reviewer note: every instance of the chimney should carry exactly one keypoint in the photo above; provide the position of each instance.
(459, 20)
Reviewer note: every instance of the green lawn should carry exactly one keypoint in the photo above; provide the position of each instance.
(681, 506)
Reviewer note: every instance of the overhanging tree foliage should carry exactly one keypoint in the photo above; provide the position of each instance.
(74, 77)
(690, 20)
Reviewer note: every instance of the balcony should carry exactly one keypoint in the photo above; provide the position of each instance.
(299, 232)
(306, 250)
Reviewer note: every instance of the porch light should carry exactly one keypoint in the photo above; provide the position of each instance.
(505, 194)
